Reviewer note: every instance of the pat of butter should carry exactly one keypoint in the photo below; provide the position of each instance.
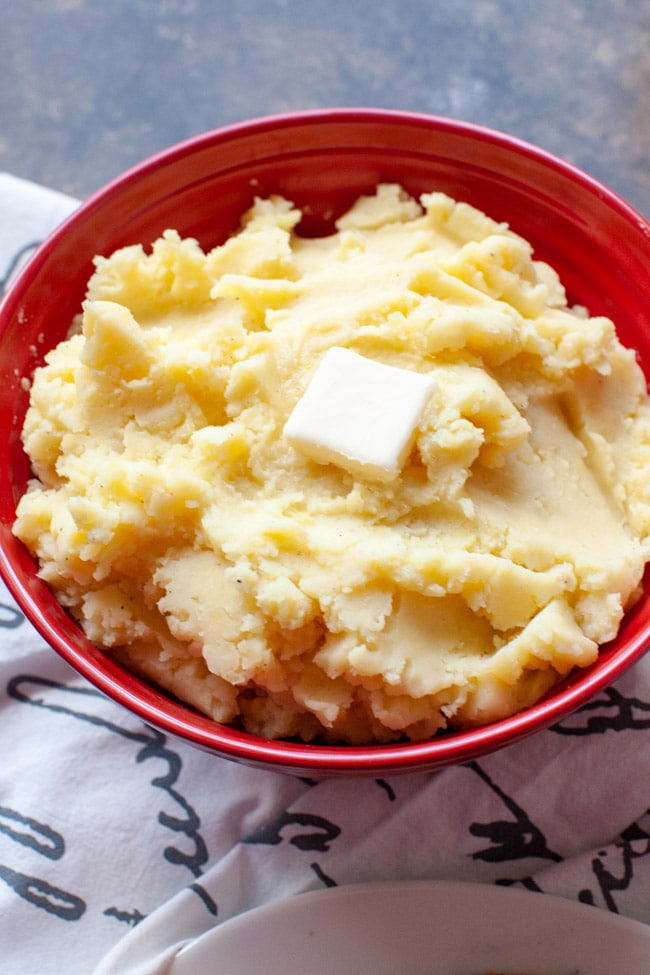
(359, 414)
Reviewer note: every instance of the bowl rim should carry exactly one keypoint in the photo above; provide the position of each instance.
(431, 754)
(330, 760)
(318, 116)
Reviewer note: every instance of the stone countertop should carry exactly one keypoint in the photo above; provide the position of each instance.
(89, 88)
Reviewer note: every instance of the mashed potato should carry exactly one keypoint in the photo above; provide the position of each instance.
(289, 591)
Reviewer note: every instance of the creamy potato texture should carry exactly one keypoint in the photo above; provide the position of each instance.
(186, 532)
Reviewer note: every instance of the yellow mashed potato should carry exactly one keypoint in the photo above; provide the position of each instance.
(183, 529)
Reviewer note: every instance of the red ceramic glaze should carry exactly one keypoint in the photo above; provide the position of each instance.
(321, 160)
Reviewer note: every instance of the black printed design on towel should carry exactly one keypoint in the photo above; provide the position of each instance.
(308, 833)
(611, 711)
(29, 832)
(133, 917)
(322, 876)
(314, 834)
(512, 839)
(42, 894)
(210, 904)
(16, 261)
(76, 703)
(387, 787)
(47, 842)
(527, 883)
(126, 917)
(317, 833)
(613, 868)
(189, 824)
(10, 617)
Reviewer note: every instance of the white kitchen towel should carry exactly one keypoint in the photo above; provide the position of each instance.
(118, 844)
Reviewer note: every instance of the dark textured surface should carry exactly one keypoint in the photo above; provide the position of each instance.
(90, 87)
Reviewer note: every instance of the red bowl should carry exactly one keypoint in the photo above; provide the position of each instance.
(322, 161)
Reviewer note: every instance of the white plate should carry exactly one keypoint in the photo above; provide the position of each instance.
(421, 928)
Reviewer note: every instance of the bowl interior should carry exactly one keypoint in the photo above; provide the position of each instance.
(322, 161)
